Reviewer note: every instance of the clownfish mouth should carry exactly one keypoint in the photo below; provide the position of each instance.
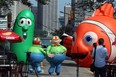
(79, 55)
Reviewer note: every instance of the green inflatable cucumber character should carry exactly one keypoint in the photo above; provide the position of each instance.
(24, 26)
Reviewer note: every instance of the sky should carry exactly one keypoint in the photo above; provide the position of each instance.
(34, 3)
(61, 4)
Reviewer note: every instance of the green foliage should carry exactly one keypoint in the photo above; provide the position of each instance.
(6, 3)
(41, 33)
(69, 29)
(5, 6)
(44, 2)
(26, 2)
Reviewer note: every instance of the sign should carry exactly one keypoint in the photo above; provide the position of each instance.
(3, 22)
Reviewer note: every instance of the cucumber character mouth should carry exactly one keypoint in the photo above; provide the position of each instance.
(24, 35)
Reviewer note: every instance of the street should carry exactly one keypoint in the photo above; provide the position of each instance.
(68, 69)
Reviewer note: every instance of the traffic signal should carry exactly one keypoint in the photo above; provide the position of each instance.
(69, 20)
(9, 24)
(9, 20)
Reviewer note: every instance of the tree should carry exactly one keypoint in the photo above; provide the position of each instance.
(26, 2)
(69, 29)
(44, 2)
(5, 6)
(40, 33)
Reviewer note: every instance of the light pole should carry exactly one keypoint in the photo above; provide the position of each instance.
(68, 17)
(64, 13)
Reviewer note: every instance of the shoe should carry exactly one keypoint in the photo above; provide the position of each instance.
(50, 73)
(31, 71)
(39, 71)
(58, 74)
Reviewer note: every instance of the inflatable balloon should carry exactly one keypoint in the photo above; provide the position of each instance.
(56, 54)
(24, 26)
(37, 54)
(100, 25)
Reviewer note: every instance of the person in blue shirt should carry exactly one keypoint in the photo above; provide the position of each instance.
(101, 56)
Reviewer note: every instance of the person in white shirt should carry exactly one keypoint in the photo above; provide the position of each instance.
(100, 59)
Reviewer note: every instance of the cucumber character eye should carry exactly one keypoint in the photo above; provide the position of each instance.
(22, 22)
(28, 22)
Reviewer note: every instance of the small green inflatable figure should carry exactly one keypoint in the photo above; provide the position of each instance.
(24, 26)
(56, 54)
(37, 54)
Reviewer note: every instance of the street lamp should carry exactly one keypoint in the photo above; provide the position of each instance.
(71, 14)
(64, 13)
(69, 18)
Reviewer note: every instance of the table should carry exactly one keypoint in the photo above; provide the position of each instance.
(111, 70)
(6, 69)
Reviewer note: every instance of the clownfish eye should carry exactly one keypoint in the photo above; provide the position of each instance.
(90, 38)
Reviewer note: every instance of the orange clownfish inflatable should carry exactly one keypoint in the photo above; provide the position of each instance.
(101, 24)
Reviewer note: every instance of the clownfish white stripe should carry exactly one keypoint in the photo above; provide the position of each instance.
(110, 34)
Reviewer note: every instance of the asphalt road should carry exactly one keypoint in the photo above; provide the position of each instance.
(68, 69)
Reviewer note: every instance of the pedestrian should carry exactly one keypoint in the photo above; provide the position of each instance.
(94, 47)
(56, 54)
(101, 55)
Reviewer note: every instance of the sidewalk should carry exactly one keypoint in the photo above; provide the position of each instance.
(68, 69)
